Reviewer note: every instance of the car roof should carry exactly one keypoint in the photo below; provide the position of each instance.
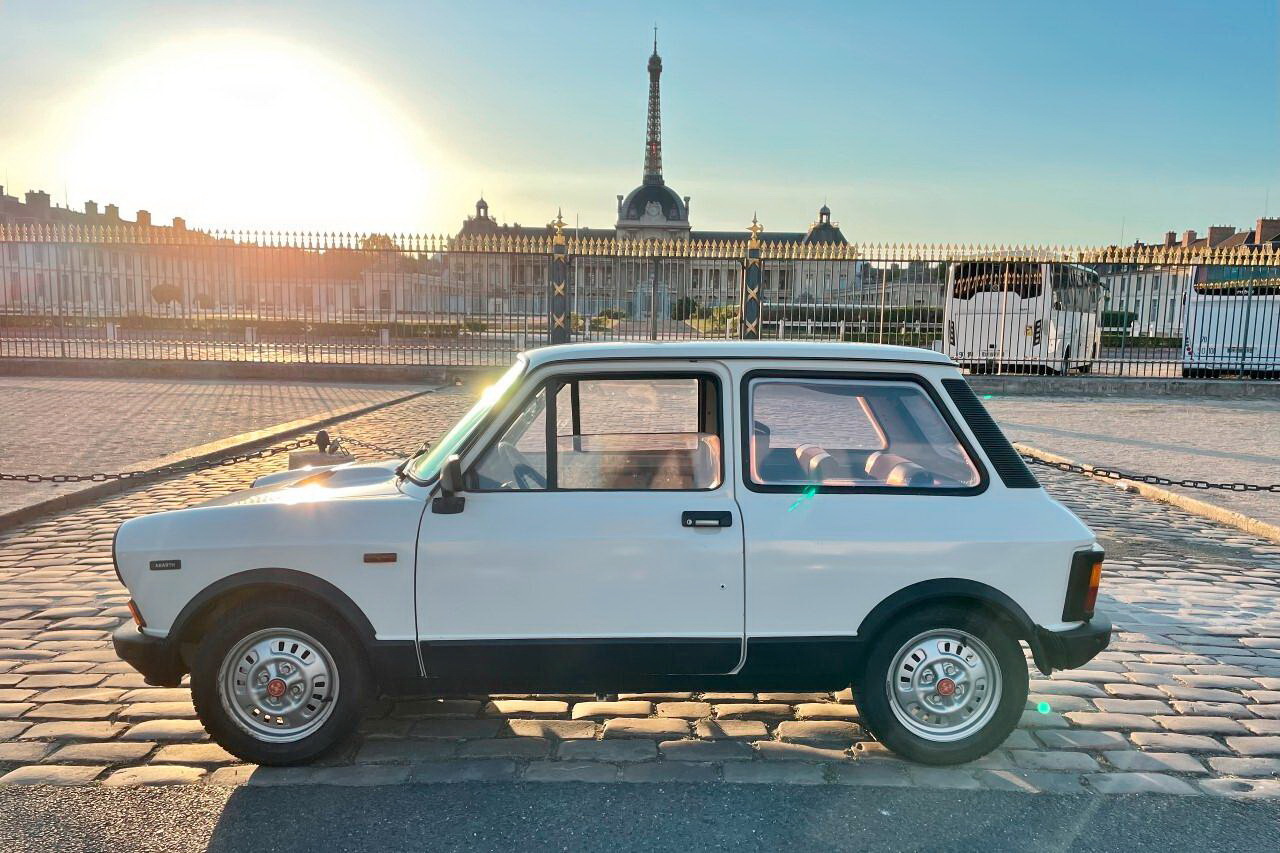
(762, 350)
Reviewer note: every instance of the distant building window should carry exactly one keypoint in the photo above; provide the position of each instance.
(384, 300)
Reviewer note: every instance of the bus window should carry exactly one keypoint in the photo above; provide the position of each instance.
(1075, 289)
(974, 277)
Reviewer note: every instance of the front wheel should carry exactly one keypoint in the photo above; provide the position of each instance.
(943, 685)
(279, 684)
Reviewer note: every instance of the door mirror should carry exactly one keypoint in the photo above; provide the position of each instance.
(449, 502)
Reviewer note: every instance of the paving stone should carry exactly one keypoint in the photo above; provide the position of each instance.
(1081, 739)
(608, 750)
(944, 777)
(526, 708)
(62, 680)
(13, 695)
(1132, 706)
(570, 771)
(1041, 720)
(662, 729)
(14, 710)
(777, 750)
(166, 730)
(1123, 690)
(1201, 694)
(670, 771)
(359, 777)
(1244, 789)
(154, 774)
(1218, 682)
(1139, 783)
(1055, 760)
(1066, 687)
(1232, 766)
(52, 774)
(455, 729)
(1153, 762)
(1211, 709)
(19, 752)
(74, 730)
(404, 751)
(1271, 712)
(1200, 725)
(1262, 727)
(192, 753)
(601, 710)
(112, 752)
(231, 776)
(1060, 704)
(1173, 742)
(820, 732)
(827, 711)
(731, 729)
(753, 711)
(552, 729)
(474, 770)
(773, 773)
(1122, 722)
(158, 711)
(451, 708)
(505, 747)
(72, 711)
(871, 772)
(685, 710)
(1255, 746)
(705, 750)
(1029, 781)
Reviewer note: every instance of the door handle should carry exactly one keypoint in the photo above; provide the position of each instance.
(706, 518)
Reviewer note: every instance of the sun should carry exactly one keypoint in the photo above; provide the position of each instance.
(242, 130)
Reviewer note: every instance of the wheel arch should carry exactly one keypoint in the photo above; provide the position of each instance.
(195, 616)
(959, 590)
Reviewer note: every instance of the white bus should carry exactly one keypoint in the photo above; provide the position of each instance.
(1233, 322)
(1013, 316)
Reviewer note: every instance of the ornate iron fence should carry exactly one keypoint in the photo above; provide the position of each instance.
(156, 293)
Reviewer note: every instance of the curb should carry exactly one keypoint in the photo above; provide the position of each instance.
(198, 453)
(1204, 509)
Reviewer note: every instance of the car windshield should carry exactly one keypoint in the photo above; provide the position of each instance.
(426, 467)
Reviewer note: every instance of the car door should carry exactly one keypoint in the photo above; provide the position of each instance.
(599, 537)
(855, 485)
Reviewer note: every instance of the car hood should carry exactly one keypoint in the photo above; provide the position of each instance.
(309, 485)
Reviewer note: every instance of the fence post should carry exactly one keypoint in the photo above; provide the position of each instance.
(749, 324)
(558, 301)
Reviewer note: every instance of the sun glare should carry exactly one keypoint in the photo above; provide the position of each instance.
(242, 130)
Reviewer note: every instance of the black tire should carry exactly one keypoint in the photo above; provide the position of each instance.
(353, 682)
(872, 693)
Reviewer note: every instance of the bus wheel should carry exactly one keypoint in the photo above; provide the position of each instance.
(1085, 368)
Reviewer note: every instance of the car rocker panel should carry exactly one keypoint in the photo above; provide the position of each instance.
(701, 516)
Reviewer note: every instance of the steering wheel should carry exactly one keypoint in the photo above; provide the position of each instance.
(526, 475)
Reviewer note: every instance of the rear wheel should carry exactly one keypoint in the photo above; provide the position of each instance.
(944, 685)
(279, 684)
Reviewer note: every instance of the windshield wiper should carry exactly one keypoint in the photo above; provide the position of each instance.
(400, 469)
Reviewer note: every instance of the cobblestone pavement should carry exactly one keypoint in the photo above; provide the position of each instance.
(75, 426)
(1186, 701)
(1214, 440)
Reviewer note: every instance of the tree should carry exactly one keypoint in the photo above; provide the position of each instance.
(206, 302)
(166, 294)
(684, 308)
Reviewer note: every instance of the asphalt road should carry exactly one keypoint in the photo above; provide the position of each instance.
(618, 817)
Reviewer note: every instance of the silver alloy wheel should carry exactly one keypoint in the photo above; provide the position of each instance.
(278, 684)
(944, 685)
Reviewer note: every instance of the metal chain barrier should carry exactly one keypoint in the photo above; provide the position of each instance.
(367, 445)
(1115, 474)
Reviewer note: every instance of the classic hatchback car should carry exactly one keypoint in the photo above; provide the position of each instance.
(635, 517)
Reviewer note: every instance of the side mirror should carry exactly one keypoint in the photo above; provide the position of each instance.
(449, 502)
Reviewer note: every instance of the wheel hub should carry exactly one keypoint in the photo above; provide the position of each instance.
(944, 684)
(278, 684)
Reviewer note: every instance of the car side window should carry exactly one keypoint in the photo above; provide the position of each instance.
(852, 433)
(611, 434)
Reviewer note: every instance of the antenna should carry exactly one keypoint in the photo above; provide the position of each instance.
(1121, 243)
(655, 36)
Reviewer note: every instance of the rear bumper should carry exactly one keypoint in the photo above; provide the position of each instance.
(156, 658)
(1070, 649)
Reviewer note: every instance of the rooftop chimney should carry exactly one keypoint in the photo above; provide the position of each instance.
(1188, 237)
(90, 208)
(1267, 230)
(38, 199)
(179, 224)
(144, 218)
(113, 212)
(1218, 233)
(1171, 238)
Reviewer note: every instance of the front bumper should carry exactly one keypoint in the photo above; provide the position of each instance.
(156, 658)
(1070, 649)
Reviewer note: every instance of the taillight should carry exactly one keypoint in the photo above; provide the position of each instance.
(1091, 594)
(1082, 586)
(137, 614)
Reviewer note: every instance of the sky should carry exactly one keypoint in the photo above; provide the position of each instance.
(940, 122)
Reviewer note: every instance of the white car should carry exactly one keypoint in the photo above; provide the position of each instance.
(637, 517)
